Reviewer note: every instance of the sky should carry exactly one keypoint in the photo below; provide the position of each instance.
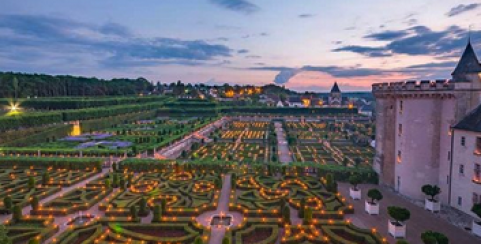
(305, 45)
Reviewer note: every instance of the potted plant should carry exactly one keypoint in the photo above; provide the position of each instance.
(355, 193)
(396, 227)
(476, 223)
(372, 206)
(431, 203)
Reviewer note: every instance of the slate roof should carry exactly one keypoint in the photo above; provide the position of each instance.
(471, 122)
(469, 63)
(335, 88)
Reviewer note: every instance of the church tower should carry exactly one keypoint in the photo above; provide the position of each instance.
(335, 96)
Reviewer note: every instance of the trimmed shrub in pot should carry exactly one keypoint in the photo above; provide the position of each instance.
(396, 227)
(431, 203)
(372, 206)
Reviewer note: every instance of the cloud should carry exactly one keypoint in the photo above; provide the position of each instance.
(386, 35)
(111, 44)
(242, 6)
(417, 40)
(447, 64)
(241, 51)
(286, 73)
(305, 16)
(462, 8)
(253, 56)
(367, 51)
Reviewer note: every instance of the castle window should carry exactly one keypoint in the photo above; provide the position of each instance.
(476, 178)
(475, 198)
(461, 169)
(401, 106)
(399, 156)
(477, 146)
(462, 141)
(448, 155)
(459, 201)
(400, 129)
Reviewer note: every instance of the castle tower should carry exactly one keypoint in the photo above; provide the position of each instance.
(413, 121)
(466, 79)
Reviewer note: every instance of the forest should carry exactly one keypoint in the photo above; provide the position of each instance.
(40, 85)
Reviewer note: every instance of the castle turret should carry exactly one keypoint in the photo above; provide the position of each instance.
(466, 81)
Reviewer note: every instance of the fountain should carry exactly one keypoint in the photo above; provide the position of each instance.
(80, 219)
(221, 220)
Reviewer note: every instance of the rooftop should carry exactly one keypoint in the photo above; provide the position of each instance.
(471, 122)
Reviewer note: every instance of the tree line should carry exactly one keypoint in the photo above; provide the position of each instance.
(30, 85)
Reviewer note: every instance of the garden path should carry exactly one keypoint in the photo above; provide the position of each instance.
(26, 210)
(284, 153)
(217, 233)
(420, 219)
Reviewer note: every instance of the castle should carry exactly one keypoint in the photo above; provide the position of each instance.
(416, 143)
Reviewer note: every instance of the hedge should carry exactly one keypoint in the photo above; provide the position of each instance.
(29, 120)
(58, 131)
(65, 163)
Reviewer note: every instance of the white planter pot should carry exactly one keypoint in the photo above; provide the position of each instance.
(476, 228)
(372, 209)
(395, 230)
(355, 195)
(432, 206)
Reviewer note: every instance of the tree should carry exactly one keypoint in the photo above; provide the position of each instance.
(331, 184)
(17, 213)
(45, 178)
(226, 240)
(374, 194)
(34, 203)
(282, 203)
(308, 216)
(301, 211)
(476, 209)
(122, 183)
(163, 205)
(107, 183)
(432, 237)
(34, 241)
(115, 180)
(287, 215)
(133, 212)
(431, 190)
(7, 202)
(402, 242)
(114, 166)
(198, 240)
(157, 214)
(218, 183)
(4, 239)
(399, 214)
(31, 182)
(357, 161)
(354, 181)
(143, 209)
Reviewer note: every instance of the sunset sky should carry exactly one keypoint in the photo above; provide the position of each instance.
(303, 44)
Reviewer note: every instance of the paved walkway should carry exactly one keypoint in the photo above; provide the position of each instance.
(284, 153)
(420, 219)
(217, 233)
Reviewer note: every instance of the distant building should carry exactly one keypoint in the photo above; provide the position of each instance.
(366, 110)
(414, 121)
(335, 98)
(295, 102)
